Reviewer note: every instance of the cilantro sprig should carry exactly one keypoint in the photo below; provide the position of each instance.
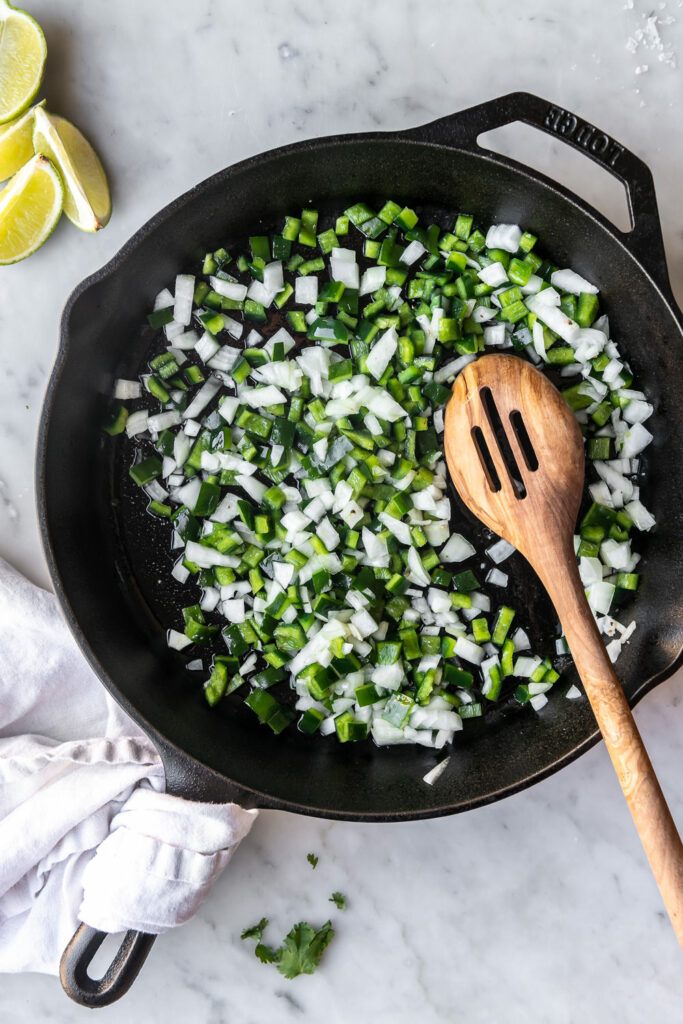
(256, 930)
(300, 951)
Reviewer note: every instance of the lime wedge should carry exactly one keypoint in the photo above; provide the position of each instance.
(87, 202)
(22, 58)
(16, 143)
(30, 205)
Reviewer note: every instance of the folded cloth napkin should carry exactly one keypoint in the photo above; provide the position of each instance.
(86, 831)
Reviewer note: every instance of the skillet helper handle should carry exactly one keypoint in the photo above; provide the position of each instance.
(651, 815)
(463, 128)
(119, 976)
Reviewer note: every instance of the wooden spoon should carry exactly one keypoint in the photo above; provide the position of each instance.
(515, 453)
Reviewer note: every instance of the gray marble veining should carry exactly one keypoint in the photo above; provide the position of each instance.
(539, 909)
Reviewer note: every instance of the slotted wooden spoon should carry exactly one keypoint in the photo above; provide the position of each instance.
(515, 453)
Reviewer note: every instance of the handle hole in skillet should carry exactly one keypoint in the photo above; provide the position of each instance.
(554, 158)
(102, 960)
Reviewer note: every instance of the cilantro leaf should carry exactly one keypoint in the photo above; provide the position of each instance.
(302, 949)
(312, 859)
(266, 954)
(256, 930)
(339, 900)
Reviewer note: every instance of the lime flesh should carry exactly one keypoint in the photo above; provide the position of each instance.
(30, 206)
(16, 144)
(22, 59)
(87, 202)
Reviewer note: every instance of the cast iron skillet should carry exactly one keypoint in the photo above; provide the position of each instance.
(222, 754)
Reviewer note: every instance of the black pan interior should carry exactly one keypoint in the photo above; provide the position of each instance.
(115, 609)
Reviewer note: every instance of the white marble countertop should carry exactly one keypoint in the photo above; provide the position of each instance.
(537, 909)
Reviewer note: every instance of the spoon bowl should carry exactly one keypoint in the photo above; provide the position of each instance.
(508, 430)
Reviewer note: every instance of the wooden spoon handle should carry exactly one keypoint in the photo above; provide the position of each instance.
(645, 799)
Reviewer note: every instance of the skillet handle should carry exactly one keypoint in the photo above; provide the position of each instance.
(462, 129)
(119, 976)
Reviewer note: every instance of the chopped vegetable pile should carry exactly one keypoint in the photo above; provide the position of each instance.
(290, 432)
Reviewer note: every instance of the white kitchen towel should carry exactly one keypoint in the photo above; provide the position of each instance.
(86, 831)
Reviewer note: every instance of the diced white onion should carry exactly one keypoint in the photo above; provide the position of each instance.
(229, 289)
(496, 336)
(469, 651)
(451, 369)
(328, 535)
(381, 353)
(412, 253)
(125, 389)
(590, 570)
(186, 341)
(210, 599)
(634, 441)
(258, 291)
(226, 509)
(417, 570)
(306, 290)
(497, 578)
(642, 519)
(504, 236)
(163, 300)
(397, 527)
(363, 623)
(637, 411)
(206, 347)
(177, 641)
(273, 277)
(499, 551)
(372, 280)
(234, 610)
(493, 275)
(224, 359)
(436, 772)
(345, 271)
(184, 295)
(553, 317)
(615, 554)
(163, 420)
(600, 597)
(345, 255)
(525, 666)
(457, 549)
(206, 557)
(137, 423)
(569, 281)
(206, 394)
(261, 398)
(436, 532)
(481, 314)
(521, 640)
